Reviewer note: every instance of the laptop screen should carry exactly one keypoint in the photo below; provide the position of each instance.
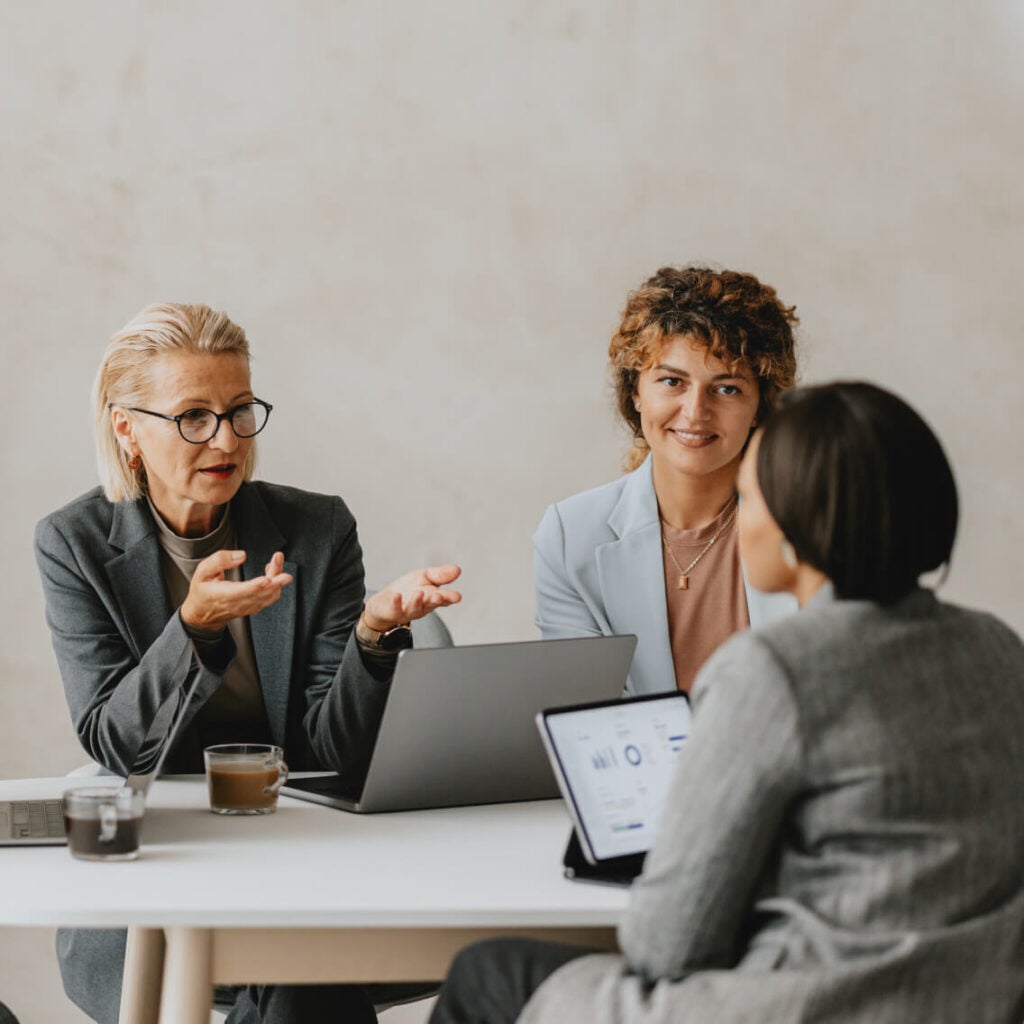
(167, 723)
(617, 759)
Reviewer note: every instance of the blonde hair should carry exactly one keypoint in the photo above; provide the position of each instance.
(124, 378)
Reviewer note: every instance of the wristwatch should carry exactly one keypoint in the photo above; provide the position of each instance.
(397, 638)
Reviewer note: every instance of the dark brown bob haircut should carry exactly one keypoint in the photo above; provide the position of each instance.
(860, 486)
(740, 320)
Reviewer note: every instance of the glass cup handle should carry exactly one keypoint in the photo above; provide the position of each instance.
(282, 775)
(108, 823)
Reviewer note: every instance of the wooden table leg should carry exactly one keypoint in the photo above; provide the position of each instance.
(143, 973)
(187, 989)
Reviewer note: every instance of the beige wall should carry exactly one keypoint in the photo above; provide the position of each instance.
(427, 216)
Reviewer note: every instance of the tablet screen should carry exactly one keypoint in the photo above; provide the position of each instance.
(617, 761)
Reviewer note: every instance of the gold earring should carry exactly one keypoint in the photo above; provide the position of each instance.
(135, 462)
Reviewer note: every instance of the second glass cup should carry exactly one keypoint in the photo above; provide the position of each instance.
(103, 823)
(244, 778)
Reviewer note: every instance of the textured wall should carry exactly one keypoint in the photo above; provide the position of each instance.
(427, 216)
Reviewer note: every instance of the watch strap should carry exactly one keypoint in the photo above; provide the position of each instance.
(383, 640)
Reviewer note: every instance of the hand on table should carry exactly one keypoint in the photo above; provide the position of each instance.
(411, 596)
(214, 601)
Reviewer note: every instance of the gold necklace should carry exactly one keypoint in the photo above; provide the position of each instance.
(684, 574)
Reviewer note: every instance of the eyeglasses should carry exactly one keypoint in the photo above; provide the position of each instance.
(198, 426)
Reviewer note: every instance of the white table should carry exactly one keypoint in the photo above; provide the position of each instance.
(308, 894)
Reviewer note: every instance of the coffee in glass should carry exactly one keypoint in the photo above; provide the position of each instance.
(103, 822)
(244, 778)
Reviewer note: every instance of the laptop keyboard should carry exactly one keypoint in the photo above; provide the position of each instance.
(36, 819)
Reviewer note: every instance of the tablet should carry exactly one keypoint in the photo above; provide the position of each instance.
(614, 762)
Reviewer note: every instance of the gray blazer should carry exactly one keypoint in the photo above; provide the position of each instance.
(123, 652)
(844, 836)
(598, 570)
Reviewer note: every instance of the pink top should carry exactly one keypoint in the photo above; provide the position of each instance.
(714, 604)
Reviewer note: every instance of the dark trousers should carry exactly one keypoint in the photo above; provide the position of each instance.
(490, 982)
(92, 964)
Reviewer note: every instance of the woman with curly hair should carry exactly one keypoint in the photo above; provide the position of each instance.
(697, 362)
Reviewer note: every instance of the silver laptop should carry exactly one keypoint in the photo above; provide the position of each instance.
(458, 725)
(40, 822)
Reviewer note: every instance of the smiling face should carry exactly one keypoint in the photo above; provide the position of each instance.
(189, 483)
(696, 413)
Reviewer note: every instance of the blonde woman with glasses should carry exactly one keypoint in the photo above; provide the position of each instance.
(182, 565)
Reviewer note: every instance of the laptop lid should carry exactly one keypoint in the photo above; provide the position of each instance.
(458, 725)
(38, 821)
(614, 762)
(167, 724)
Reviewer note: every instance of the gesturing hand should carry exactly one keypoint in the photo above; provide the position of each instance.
(411, 597)
(213, 601)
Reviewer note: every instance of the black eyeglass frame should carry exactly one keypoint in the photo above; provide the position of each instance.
(219, 416)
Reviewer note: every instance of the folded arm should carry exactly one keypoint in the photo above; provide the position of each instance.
(115, 695)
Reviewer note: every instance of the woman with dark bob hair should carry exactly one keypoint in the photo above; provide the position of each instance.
(182, 567)
(698, 360)
(842, 839)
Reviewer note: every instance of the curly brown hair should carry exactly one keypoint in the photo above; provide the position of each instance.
(740, 319)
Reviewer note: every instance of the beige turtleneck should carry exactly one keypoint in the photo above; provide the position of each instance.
(236, 712)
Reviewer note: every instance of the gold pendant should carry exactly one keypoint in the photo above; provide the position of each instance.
(684, 582)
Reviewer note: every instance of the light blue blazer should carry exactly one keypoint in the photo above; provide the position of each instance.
(598, 570)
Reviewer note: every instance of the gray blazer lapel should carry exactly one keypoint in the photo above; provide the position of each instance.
(273, 629)
(136, 576)
(626, 567)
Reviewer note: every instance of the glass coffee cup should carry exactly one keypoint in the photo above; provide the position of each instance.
(103, 823)
(244, 778)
